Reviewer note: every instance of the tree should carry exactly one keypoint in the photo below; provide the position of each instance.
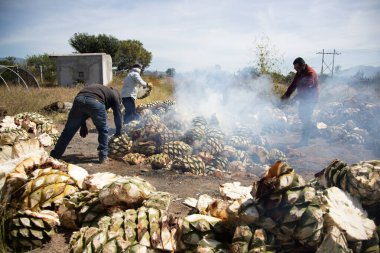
(9, 60)
(170, 72)
(124, 53)
(131, 52)
(108, 44)
(35, 62)
(7, 75)
(267, 59)
(85, 43)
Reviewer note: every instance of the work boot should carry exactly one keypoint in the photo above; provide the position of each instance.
(103, 160)
(302, 143)
(304, 139)
(306, 130)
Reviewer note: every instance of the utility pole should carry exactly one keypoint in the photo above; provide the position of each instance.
(41, 74)
(325, 65)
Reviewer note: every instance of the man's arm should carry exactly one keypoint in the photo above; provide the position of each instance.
(83, 132)
(117, 116)
(291, 88)
(139, 80)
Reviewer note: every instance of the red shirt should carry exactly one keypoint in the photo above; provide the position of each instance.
(307, 84)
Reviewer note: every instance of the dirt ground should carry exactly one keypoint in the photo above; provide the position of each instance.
(305, 160)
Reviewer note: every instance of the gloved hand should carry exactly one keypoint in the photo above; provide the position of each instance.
(149, 85)
(283, 97)
(83, 132)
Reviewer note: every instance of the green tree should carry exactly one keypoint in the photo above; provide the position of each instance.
(102, 43)
(35, 62)
(8, 61)
(84, 43)
(267, 57)
(131, 52)
(6, 74)
(107, 44)
(170, 72)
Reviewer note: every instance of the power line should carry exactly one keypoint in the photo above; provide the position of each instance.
(325, 65)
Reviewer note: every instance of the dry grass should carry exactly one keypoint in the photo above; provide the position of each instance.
(163, 88)
(279, 89)
(19, 99)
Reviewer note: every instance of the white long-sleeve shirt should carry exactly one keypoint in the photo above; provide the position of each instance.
(131, 83)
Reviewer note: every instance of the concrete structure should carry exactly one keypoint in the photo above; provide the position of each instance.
(85, 68)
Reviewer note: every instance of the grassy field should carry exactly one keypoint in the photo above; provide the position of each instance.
(163, 88)
(18, 99)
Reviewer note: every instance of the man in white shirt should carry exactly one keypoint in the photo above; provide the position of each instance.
(129, 92)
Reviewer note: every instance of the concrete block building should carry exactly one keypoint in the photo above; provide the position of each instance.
(83, 68)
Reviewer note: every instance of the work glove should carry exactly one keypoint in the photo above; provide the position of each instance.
(149, 85)
(83, 132)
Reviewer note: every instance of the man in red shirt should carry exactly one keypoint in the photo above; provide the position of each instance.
(307, 84)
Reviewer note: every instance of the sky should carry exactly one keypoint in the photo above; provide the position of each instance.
(188, 35)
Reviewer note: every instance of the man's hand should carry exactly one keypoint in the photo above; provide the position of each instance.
(149, 85)
(283, 97)
(83, 132)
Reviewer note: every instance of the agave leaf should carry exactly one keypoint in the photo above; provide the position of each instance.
(37, 233)
(334, 242)
(99, 241)
(154, 228)
(110, 247)
(248, 212)
(25, 222)
(191, 238)
(27, 243)
(166, 236)
(37, 222)
(295, 213)
(24, 232)
(239, 247)
(211, 246)
(242, 234)
(142, 228)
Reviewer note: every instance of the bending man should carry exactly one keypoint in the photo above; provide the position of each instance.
(92, 101)
(307, 84)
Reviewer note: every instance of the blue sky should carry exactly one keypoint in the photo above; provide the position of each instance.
(195, 34)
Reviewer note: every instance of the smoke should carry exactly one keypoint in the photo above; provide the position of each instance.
(348, 110)
(234, 99)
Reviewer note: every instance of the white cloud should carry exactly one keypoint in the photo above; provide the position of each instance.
(190, 34)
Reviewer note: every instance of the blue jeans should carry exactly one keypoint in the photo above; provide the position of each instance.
(130, 110)
(305, 113)
(83, 108)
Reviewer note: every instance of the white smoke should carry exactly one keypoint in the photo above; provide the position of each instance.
(350, 110)
(235, 99)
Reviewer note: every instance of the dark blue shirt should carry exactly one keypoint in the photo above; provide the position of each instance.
(109, 97)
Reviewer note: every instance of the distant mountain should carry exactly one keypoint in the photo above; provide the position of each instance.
(364, 71)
